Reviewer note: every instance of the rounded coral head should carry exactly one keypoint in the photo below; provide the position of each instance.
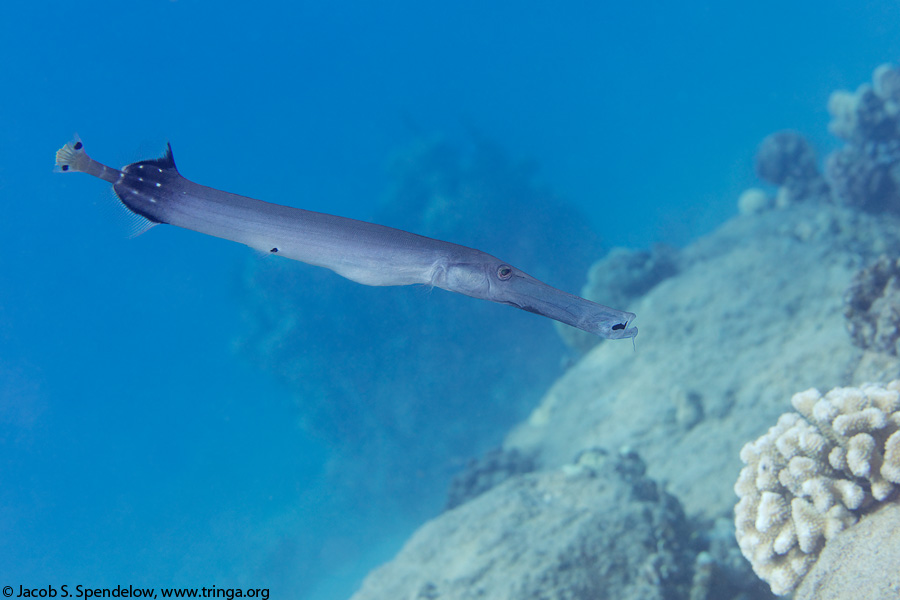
(813, 475)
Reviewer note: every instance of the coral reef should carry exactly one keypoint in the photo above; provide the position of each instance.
(750, 315)
(480, 475)
(753, 315)
(864, 173)
(870, 113)
(720, 570)
(786, 159)
(624, 275)
(813, 474)
(596, 529)
(872, 307)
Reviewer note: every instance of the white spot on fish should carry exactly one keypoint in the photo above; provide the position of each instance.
(158, 184)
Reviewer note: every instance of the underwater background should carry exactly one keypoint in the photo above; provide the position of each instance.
(178, 411)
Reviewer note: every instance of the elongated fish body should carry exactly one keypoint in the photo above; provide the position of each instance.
(363, 252)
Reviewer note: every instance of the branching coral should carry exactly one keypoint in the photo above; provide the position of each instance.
(813, 474)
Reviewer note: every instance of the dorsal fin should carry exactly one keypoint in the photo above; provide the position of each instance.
(164, 162)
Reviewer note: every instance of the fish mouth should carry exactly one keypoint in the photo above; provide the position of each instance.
(621, 331)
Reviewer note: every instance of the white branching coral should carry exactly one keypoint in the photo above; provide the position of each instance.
(813, 474)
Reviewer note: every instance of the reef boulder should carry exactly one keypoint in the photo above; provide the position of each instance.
(598, 528)
(860, 563)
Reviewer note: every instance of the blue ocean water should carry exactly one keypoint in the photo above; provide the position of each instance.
(139, 444)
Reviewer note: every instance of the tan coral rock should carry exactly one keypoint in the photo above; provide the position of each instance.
(859, 563)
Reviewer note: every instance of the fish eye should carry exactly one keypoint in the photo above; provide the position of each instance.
(504, 272)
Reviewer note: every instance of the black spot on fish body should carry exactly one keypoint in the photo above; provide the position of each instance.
(618, 326)
(64, 168)
(78, 145)
(274, 250)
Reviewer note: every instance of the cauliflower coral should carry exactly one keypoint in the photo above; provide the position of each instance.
(813, 474)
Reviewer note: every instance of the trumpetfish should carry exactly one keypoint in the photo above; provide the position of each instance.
(363, 252)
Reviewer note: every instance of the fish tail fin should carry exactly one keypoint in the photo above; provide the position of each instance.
(72, 157)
